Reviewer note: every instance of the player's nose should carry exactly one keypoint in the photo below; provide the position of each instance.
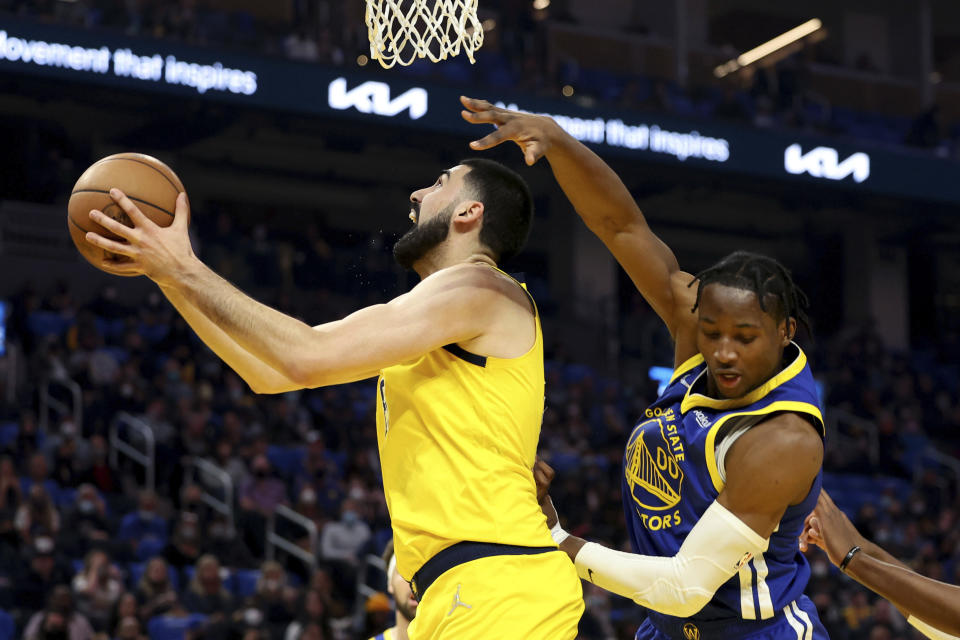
(725, 353)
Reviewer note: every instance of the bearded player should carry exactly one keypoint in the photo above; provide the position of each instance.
(459, 398)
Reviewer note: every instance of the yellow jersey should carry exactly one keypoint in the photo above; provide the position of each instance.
(458, 434)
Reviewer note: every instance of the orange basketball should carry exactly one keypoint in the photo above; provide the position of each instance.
(151, 184)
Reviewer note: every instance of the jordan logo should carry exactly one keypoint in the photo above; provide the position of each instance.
(458, 603)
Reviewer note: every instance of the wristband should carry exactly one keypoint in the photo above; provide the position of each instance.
(849, 557)
(558, 534)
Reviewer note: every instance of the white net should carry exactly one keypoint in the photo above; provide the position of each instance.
(401, 31)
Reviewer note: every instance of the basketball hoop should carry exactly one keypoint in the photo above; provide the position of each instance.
(402, 30)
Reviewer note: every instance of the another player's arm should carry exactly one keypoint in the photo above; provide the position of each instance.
(261, 377)
(606, 207)
(769, 468)
(931, 606)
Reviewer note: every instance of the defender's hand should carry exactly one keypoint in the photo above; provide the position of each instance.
(533, 134)
(160, 253)
(831, 530)
(543, 474)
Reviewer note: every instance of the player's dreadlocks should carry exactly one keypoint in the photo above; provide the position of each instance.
(762, 275)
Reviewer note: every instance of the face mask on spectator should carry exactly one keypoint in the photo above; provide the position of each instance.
(220, 532)
(87, 506)
(253, 617)
(260, 472)
(146, 515)
(350, 517)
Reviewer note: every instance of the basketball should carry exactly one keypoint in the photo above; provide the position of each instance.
(152, 185)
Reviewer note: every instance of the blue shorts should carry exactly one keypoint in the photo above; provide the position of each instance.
(798, 620)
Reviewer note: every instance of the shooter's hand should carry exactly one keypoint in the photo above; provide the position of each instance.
(160, 253)
(533, 134)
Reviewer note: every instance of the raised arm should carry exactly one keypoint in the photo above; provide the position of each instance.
(603, 202)
(453, 305)
(769, 468)
(261, 377)
(930, 605)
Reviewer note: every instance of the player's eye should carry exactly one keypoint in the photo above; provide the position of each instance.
(746, 339)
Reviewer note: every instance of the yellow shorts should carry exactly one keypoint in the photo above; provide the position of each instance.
(521, 597)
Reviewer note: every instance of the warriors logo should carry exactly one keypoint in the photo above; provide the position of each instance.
(652, 470)
(690, 631)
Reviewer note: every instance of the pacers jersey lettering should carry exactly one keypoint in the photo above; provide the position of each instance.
(457, 435)
(671, 475)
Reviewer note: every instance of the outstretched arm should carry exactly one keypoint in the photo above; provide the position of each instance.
(605, 205)
(769, 468)
(453, 305)
(935, 604)
(261, 377)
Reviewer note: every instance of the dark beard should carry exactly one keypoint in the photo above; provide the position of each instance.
(422, 239)
(406, 611)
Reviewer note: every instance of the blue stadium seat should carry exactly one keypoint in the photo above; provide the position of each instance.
(171, 628)
(150, 547)
(47, 323)
(8, 433)
(286, 461)
(243, 582)
(7, 627)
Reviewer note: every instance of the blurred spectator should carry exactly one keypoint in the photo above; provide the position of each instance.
(37, 514)
(259, 497)
(312, 611)
(144, 525)
(58, 620)
(154, 592)
(343, 538)
(96, 588)
(129, 628)
(70, 454)
(206, 593)
(100, 473)
(223, 542)
(185, 545)
(271, 598)
(85, 524)
(38, 473)
(10, 492)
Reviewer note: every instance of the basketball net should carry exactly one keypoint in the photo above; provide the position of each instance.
(402, 30)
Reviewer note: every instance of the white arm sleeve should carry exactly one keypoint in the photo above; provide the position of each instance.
(929, 631)
(714, 550)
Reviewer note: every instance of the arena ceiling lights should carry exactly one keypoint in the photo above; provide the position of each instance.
(783, 45)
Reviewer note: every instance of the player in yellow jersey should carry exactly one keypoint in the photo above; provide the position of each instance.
(405, 603)
(460, 395)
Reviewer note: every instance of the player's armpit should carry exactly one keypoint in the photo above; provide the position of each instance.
(770, 468)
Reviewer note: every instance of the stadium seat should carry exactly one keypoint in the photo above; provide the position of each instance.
(8, 433)
(286, 461)
(47, 323)
(7, 627)
(150, 547)
(171, 628)
(243, 582)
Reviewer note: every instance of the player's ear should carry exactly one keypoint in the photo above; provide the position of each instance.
(468, 213)
(788, 331)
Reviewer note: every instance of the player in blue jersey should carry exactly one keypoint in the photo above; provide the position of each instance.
(726, 464)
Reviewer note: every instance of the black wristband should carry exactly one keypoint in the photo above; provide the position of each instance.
(849, 557)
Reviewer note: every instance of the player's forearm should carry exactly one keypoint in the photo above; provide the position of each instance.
(261, 377)
(683, 584)
(593, 188)
(283, 343)
(936, 603)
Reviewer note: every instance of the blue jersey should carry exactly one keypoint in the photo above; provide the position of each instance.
(671, 475)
